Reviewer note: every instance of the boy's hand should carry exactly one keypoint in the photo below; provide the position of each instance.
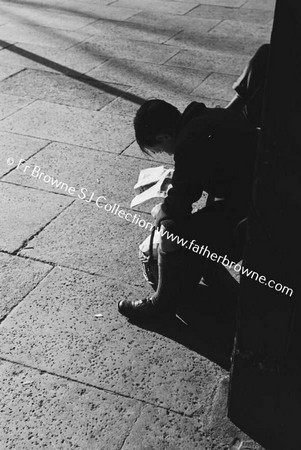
(155, 210)
(158, 214)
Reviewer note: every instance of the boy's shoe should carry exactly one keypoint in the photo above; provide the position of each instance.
(143, 309)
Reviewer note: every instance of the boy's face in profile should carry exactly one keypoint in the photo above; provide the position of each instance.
(165, 144)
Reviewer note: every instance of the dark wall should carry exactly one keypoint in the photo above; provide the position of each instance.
(265, 395)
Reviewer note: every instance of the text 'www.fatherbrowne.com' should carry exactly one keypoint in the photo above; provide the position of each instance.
(204, 251)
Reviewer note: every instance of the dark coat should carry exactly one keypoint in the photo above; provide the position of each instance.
(215, 152)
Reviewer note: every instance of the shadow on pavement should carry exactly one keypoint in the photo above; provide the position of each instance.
(205, 324)
(105, 87)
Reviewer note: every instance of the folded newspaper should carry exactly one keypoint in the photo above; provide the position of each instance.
(152, 183)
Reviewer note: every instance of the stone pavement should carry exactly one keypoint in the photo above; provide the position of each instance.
(74, 373)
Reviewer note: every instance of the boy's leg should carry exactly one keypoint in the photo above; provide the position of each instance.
(181, 262)
(175, 277)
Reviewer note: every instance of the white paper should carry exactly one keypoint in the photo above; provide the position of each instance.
(148, 177)
(157, 190)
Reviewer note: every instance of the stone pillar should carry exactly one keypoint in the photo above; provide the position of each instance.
(265, 387)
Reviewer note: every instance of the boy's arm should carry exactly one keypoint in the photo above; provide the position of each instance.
(191, 163)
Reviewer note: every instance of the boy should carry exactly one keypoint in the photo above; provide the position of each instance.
(214, 150)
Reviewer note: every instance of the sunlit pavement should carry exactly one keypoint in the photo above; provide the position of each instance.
(74, 373)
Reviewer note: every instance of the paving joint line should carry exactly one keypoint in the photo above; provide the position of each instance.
(206, 78)
(132, 426)
(192, 67)
(173, 36)
(180, 49)
(90, 385)
(62, 194)
(216, 25)
(86, 74)
(24, 297)
(62, 142)
(25, 160)
(128, 208)
(58, 102)
(82, 27)
(18, 110)
(244, 5)
(26, 241)
(132, 17)
(192, 9)
(81, 79)
(122, 151)
(19, 70)
(75, 269)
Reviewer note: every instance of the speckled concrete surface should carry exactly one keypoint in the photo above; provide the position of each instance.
(18, 277)
(74, 373)
(25, 212)
(56, 329)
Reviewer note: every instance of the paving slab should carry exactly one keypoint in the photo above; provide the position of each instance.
(103, 29)
(17, 147)
(9, 104)
(25, 212)
(217, 86)
(33, 15)
(226, 13)
(175, 97)
(147, 75)
(98, 130)
(127, 49)
(222, 431)
(18, 277)
(7, 71)
(159, 6)
(3, 20)
(88, 237)
(230, 37)
(46, 37)
(42, 411)
(80, 12)
(97, 10)
(260, 4)
(106, 174)
(80, 7)
(59, 88)
(247, 32)
(39, 3)
(174, 23)
(56, 330)
(211, 61)
(228, 3)
(184, 433)
(51, 59)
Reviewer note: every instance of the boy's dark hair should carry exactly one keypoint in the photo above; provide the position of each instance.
(152, 118)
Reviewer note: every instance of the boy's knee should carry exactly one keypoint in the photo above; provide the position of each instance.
(167, 233)
(168, 225)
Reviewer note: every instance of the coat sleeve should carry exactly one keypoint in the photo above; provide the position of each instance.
(191, 165)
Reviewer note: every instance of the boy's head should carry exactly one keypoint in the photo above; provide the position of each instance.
(155, 126)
